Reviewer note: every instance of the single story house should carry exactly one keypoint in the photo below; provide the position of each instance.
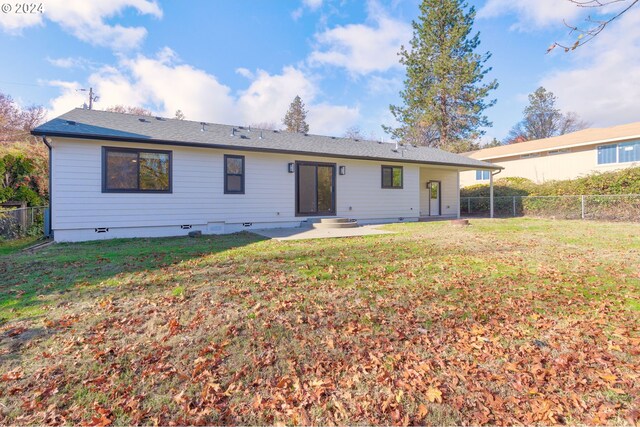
(567, 156)
(117, 175)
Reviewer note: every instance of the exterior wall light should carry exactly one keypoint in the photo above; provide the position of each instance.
(291, 167)
(342, 170)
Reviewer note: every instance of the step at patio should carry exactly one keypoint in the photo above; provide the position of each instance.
(336, 223)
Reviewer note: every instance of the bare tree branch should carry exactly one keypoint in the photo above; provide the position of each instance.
(596, 26)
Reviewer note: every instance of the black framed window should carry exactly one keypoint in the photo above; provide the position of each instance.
(132, 170)
(233, 174)
(392, 176)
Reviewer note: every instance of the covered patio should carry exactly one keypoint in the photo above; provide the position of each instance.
(440, 192)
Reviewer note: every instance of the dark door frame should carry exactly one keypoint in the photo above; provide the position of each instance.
(333, 166)
(439, 197)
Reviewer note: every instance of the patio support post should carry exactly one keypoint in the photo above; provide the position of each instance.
(491, 194)
(458, 185)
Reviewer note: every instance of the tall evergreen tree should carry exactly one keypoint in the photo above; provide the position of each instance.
(542, 119)
(295, 119)
(444, 97)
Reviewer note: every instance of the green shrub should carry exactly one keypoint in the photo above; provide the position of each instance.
(625, 181)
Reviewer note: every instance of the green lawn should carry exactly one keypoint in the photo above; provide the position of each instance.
(504, 322)
(8, 247)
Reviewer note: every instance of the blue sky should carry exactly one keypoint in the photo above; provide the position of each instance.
(243, 61)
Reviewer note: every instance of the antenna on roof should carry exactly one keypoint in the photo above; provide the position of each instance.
(93, 97)
(233, 131)
(260, 135)
(202, 123)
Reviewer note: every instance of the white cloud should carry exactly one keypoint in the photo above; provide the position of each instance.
(601, 86)
(331, 119)
(382, 85)
(164, 85)
(72, 62)
(537, 14)
(86, 20)
(313, 4)
(268, 97)
(532, 14)
(171, 86)
(13, 23)
(244, 72)
(363, 48)
(69, 98)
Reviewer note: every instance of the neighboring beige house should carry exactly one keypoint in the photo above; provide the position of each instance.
(562, 157)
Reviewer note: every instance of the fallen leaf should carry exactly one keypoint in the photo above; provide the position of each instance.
(434, 395)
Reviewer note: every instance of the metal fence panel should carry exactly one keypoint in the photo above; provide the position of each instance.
(623, 207)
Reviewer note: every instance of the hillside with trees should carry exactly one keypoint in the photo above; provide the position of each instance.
(23, 159)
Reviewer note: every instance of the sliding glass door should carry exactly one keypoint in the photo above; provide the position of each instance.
(315, 188)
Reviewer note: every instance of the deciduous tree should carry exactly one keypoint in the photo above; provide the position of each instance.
(354, 132)
(16, 122)
(542, 119)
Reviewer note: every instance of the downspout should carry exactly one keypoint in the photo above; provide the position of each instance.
(50, 219)
(491, 189)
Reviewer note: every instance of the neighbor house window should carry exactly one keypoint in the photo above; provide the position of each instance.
(233, 174)
(607, 154)
(129, 170)
(624, 152)
(554, 152)
(482, 175)
(391, 176)
(629, 152)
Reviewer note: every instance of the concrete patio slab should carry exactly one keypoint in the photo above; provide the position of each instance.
(301, 233)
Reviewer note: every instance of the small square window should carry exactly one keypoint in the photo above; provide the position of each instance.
(482, 175)
(392, 176)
